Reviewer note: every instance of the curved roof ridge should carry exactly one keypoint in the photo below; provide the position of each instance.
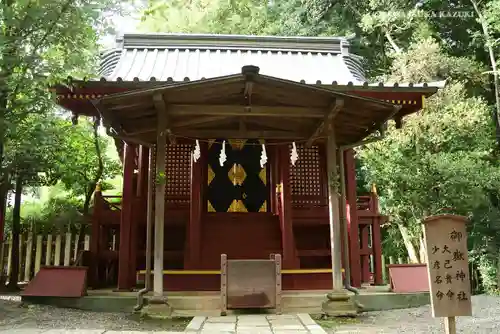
(249, 42)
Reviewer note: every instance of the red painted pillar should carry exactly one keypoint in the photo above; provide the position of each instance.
(95, 238)
(139, 208)
(273, 178)
(352, 218)
(142, 179)
(365, 257)
(127, 218)
(290, 259)
(376, 242)
(193, 242)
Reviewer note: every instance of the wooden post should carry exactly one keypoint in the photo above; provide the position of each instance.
(48, 250)
(86, 244)
(67, 249)
(450, 326)
(365, 259)
(333, 205)
(29, 254)
(353, 222)
(384, 270)
(2, 259)
(75, 247)
(285, 198)
(376, 239)
(9, 257)
(96, 236)
(161, 141)
(38, 253)
(138, 209)
(149, 217)
(196, 205)
(126, 220)
(273, 177)
(142, 179)
(57, 250)
(21, 262)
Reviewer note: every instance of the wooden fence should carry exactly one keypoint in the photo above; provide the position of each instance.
(41, 250)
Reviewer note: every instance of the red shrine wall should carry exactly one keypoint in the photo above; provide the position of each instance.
(248, 235)
(296, 224)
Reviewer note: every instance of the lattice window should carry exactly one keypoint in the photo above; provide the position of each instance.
(305, 176)
(178, 170)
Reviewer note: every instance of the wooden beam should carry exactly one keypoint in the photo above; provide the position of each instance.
(239, 110)
(236, 134)
(136, 105)
(198, 121)
(273, 122)
(329, 117)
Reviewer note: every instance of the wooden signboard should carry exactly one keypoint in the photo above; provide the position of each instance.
(448, 268)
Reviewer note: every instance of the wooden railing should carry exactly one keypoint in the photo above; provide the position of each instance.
(36, 250)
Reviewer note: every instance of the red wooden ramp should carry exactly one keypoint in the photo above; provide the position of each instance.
(58, 282)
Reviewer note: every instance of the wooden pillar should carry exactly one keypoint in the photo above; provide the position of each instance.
(333, 205)
(94, 240)
(376, 241)
(161, 141)
(273, 177)
(352, 214)
(127, 219)
(365, 257)
(142, 179)
(149, 217)
(290, 260)
(139, 208)
(192, 261)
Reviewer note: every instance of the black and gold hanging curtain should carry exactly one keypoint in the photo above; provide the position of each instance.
(241, 184)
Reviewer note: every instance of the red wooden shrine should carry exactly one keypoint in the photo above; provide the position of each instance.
(292, 219)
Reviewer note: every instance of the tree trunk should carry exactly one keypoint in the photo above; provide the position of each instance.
(489, 47)
(92, 185)
(16, 230)
(410, 248)
(423, 253)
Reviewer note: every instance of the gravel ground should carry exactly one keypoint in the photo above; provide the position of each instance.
(14, 315)
(485, 319)
(486, 312)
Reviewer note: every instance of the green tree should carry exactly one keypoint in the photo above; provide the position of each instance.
(31, 160)
(84, 164)
(41, 42)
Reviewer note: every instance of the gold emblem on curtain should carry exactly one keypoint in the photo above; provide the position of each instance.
(237, 175)
(237, 206)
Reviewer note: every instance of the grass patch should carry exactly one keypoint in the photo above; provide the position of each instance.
(166, 324)
(333, 322)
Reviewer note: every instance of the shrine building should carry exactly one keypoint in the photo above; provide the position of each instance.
(237, 145)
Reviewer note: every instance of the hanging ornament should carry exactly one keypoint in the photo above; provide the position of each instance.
(197, 151)
(263, 156)
(222, 157)
(294, 156)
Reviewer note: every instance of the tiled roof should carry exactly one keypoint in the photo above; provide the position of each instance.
(185, 57)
